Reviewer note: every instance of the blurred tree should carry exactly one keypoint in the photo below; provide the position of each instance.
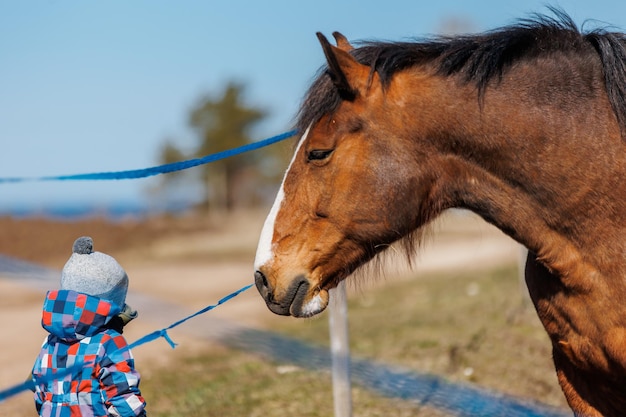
(170, 154)
(221, 122)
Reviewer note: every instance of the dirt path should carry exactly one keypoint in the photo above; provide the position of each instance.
(197, 269)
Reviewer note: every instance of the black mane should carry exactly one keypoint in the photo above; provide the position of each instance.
(482, 57)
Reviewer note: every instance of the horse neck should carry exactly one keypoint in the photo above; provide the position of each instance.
(550, 174)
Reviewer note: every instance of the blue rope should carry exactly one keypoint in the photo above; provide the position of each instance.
(163, 332)
(160, 169)
(30, 384)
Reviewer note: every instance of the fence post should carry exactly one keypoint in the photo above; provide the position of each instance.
(340, 351)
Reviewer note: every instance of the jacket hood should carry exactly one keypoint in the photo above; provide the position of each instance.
(72, 316)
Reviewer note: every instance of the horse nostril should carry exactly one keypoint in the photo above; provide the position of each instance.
(261, 284)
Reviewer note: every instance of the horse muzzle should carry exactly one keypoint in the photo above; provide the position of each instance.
(296, 300)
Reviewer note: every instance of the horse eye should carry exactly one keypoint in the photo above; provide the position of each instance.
(319, 154)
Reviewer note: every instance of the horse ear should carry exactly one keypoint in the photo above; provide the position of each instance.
(348, 75)
(342, 42)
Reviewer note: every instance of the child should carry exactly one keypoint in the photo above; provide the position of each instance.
(95, 373)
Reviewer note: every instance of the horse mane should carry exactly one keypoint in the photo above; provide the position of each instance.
(481, 58)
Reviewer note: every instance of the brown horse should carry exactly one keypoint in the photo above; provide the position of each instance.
(524, 125)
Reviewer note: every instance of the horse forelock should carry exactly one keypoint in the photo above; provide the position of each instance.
(482, 58)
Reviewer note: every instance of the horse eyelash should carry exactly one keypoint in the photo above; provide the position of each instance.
(318, 154)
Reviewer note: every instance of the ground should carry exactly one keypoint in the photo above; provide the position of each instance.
(189, 261)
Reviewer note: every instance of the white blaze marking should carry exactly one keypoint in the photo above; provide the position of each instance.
(264, 249)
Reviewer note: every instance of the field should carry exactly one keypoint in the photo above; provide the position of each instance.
(462, 313)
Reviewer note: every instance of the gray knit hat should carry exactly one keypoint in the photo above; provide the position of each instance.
(94, 273)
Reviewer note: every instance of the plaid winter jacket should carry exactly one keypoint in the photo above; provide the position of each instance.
(84, 368)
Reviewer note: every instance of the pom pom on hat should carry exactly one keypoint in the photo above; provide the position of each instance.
(83, 245)
(94, 273)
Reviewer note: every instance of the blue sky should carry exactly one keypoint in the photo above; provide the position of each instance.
(89, 86)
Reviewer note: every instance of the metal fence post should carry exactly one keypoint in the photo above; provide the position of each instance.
(340, 351)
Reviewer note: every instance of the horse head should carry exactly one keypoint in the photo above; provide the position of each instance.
(348, 192)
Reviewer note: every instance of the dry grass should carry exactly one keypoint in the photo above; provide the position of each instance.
(468, 327)
(230, 383)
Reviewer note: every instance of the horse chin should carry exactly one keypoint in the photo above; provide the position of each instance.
(315, 305)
